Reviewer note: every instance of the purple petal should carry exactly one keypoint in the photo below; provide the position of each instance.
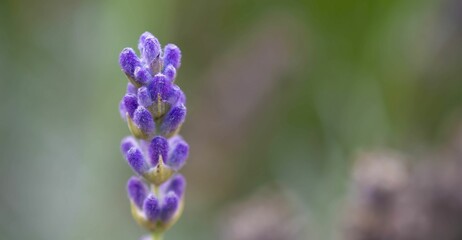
(172, 55)
(142, 40)
(142, 75)
(150, 49)
(122, 109)
(144, 97)
(158, 147)
(174, 118)
(143, 119)
(151, 208)
(170, 72)
(136, 160)
(178, 153)
(160, 87)
(137, 191)
(131, 88)
(176, 96)
(131, 103)
(126, 144)
(128, 61)
(169, 206)
(177, 184)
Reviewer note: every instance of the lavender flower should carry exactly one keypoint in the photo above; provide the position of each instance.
(137, 191)
(154, 109)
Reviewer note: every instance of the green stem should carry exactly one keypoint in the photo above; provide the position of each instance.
(157, 236)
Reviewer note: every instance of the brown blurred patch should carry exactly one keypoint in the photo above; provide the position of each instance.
(269, 214)
(378, 180)
(425, 203)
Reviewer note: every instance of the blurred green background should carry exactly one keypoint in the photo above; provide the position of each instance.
(279, 93)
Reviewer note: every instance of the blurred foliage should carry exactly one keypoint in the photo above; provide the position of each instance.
(278, 91)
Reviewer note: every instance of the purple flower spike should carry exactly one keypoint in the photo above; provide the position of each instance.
(126, 144)
(128, 61)
(170, 72)
(151, 208)
(143, 119)
(142, 75)
(169, 206)
(131, 103)
(172, 55)
(178, 154)
(150, 49)
(144, 97)
(158, 147)
(173, 119)
(137, 191)
(131, 88)
(136, 160)
(177, 184)
(154, 110)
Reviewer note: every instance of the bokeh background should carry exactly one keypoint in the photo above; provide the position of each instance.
(282, 97)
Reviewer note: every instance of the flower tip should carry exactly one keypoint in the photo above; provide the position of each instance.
(136, 160)
(151, 208)
(172, 55)
(143, 120)
(137, 191)
(178, 155)
(169, 206)
(170, 72)
(144, 97)
(157, 149)
(150, 48)
(126, 144)
(177, 184)
(173, 120)
(131, 89)
(143, 37)
(128, 61)
(131, 103)
(142, 75)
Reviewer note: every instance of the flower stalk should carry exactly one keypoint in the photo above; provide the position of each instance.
(154, 109)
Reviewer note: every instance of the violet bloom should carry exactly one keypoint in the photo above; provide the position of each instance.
(154, 108)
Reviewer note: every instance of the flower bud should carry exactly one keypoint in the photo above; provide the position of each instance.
(136, 160)
(144, 121)
(131, 88)
(158, 149)
(159, 89)
(142, 75)
(131, 103)
(178, 153)
(144, 97)
(170, 72)
(137, 191)
(169, 206)
(142, 39)
(151, 208)
(172, 55)
(150, 48)
(173, 120)
(175, 96)
(176, 184)
(126, 144)
(128, 61)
